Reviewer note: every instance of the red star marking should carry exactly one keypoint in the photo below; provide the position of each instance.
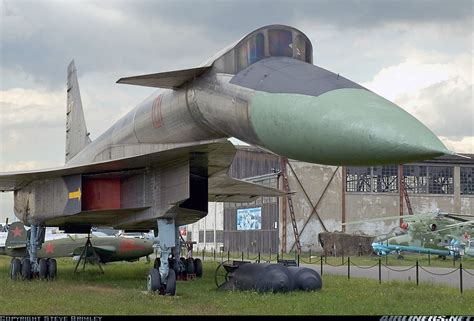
(49, 248)
(129, 245)
(17, 231)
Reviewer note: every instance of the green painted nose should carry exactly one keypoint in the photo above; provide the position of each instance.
(341, 127)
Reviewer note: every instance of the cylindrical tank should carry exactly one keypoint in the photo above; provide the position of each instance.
(305, 279)
(262, 277)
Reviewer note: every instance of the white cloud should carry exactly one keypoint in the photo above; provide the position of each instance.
(465, 145)
(435, 88)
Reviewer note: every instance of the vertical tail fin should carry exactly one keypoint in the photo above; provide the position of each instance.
(77, 136)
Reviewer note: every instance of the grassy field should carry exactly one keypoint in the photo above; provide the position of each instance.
(122, 290)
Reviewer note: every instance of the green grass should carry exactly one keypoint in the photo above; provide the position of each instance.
(122, 290)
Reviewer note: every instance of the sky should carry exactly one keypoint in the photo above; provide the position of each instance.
(418, 54)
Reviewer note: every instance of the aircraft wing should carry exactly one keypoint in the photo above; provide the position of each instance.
(223, 188)
(169, 79)
(221, 155)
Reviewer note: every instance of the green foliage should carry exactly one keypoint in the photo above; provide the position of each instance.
(122, 290)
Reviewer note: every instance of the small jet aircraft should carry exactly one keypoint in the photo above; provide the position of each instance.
(107, 248)
(442, 234)
(159, 165)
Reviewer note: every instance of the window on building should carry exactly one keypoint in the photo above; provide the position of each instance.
(421, 179)
(201, 236)
(220, 236)
(379, 179)
(385, 179)
(416, 179)
(467, 180)
(209, 236)
(358, 179)
(440, 180)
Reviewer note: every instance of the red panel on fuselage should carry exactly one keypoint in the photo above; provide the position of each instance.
(101, 194)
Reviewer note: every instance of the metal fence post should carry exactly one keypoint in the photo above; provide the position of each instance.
(214, 254)
(460, 277)
(321, 265)
(349, 268)
(417, 279)
(278, 257)
(228, 255)
(242, 255)
(298, 260)
(203, 253)
(258, 256)
(380, 271)
(309, 256)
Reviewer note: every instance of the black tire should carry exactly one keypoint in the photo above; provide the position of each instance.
(154, 280)
(26, 269)
(171, 283)
(174, 265)
(198, 267)
(52, 269)
(15, 269)
(189, 266)
(157, 263)
(43, 269)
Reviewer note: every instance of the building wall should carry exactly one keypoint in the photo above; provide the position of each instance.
(210, 227)
(335, 204)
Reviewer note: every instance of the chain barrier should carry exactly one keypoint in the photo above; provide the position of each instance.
(433, 273)
(364, 267)
(310, 262)
(336, 265)
(467, 271)
(402, 270)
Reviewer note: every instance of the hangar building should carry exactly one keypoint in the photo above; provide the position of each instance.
(326, 196)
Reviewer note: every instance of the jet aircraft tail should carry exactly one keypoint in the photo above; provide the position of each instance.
(17, 237)
(77, 136)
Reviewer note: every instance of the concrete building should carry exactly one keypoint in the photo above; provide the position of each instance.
(327, 196)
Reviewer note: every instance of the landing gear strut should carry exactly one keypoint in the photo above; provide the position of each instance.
(163, 279)
(30, 266)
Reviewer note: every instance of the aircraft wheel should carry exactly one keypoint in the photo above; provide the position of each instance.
(171, 283)
(157, 263)
(26, 269)
(198, 267)
(15, 269)
(189, 266)
(174, 265)
(154, 280)
(43, 269)
(52, 269)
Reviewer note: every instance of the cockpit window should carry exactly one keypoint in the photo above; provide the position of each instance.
(280, 43)
(268, 42)
(251, 50)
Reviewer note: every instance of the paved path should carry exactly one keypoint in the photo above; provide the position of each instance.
(451, 279)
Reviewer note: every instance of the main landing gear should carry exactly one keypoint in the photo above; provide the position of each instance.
(31, 266)
(22, 269)
(168, 268)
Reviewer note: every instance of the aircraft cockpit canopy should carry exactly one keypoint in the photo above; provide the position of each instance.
(269, 41)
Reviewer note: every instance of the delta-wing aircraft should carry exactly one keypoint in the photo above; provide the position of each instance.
(159, 165)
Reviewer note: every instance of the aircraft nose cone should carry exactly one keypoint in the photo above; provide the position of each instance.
(341, 127)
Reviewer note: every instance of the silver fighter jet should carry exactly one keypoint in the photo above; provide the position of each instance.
(160, 164)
